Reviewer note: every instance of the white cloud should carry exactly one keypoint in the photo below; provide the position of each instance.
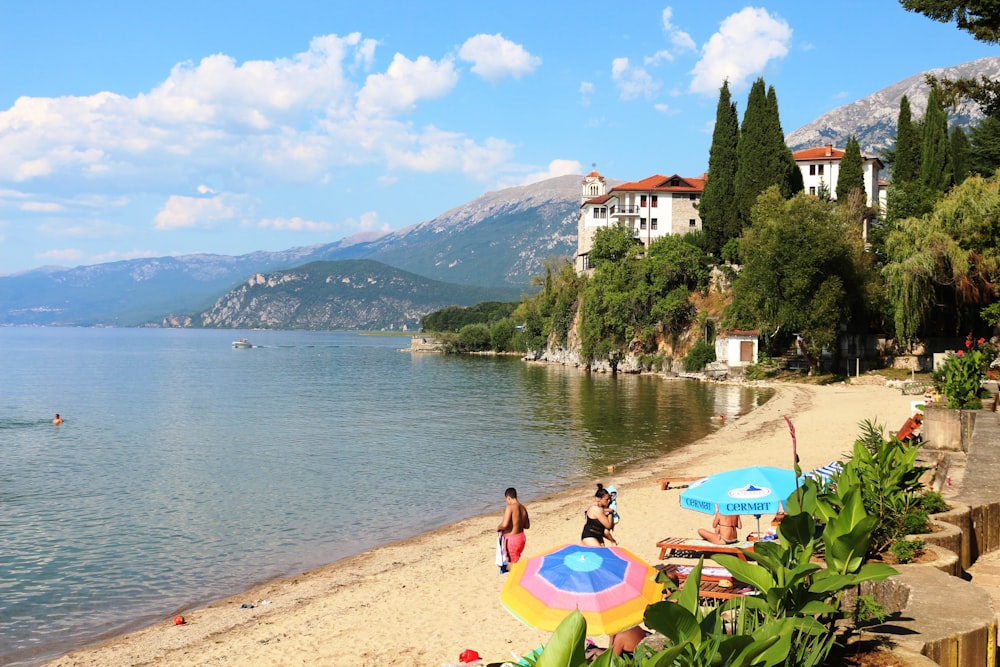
(297, 119)
(295, 224)
(405, 83)
(632, 82)
(184, 212)
(586, 92)
(662, 108)
(680, 39)
(61, 256)
(495, 58)
(41, 207)
(743, 46)
(369, 222)
(556, 168)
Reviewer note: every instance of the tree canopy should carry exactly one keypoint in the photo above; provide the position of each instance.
(943, 268)
(798, 275)
(979, 18)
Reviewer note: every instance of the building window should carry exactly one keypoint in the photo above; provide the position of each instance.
(652, 223)
(821, 170)
(812, 170)
(692, 223)
(693, 197)
(642, 201)
(642, 223)
(600, 213)
(812, 190)
(652, 201)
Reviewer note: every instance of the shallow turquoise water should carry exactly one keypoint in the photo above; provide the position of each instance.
(187, 470)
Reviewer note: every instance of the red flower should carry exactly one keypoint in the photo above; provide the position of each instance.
(968, 342)
(981, 341)
(960, 353)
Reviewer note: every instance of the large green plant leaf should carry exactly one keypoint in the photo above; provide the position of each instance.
(673, 621)
(566, 647)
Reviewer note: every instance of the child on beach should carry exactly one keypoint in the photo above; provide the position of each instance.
(613, 503)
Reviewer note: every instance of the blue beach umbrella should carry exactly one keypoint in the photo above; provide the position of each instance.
(755, 490)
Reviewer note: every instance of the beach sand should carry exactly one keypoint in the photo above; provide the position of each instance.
(424, 600)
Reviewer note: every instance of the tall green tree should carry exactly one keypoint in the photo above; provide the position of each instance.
(764, 159)
(717, 209)
(906, 161)
(851, 175)
(799, 273)
(960, 153)
(984, 146)
(936, 169)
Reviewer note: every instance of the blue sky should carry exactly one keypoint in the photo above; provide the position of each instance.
(148, 129)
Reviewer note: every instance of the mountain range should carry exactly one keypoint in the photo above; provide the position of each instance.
(496, 241)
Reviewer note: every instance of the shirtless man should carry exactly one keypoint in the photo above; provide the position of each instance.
(724, 529)
(57, 420)
(515, 522)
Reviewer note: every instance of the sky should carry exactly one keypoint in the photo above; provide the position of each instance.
(149, 129)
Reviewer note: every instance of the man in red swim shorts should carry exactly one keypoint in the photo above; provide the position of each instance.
(515, 522)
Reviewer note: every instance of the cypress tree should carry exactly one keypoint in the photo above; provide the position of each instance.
(985, 149)
(936, 170)
(763, 158)
(906, 166)
(960, 154)
(717, 209)
(851, 175)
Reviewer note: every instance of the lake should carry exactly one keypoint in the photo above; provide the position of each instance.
(187, 470)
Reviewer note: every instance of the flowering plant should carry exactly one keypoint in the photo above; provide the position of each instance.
(961, 377)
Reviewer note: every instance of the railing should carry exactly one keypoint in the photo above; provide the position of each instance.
(624, 210)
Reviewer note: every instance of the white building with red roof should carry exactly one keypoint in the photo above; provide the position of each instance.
(821, 166)
(651, 208)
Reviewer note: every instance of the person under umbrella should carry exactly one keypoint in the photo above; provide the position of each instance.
(725, 529)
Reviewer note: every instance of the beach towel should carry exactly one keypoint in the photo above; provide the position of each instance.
(502, 553)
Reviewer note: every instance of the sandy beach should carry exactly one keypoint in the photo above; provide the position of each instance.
(424, 600)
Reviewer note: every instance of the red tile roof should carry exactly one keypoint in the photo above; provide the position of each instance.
(827, 152)
(659, 183)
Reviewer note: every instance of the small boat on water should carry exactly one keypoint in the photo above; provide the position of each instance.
(242, 343)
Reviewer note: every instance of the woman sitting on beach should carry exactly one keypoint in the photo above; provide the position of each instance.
(724, 529)
(599, 520)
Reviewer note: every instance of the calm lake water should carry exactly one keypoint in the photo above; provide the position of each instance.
(186, 470)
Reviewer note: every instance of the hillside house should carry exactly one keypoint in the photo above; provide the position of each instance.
(821, 166)
(650, 208)
(737, 348)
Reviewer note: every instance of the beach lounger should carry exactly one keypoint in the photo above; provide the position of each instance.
(676, 482)
(716, 583)
(673, 544)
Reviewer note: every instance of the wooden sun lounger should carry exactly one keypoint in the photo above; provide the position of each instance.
(672, 544)
(710, 584)
(678, 482)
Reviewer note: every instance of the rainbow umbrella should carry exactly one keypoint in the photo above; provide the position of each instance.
(610, 586)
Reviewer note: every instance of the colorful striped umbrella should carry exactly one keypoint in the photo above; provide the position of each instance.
(610, 586)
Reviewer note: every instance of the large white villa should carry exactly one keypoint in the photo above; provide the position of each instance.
(661, 205)
(651, 208)
(820, 168)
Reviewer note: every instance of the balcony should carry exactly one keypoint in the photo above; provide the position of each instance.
(624, 210)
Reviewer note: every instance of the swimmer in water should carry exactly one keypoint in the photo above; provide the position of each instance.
(57, 420)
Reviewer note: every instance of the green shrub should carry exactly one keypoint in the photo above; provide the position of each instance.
(915, 522)
(933, 502)
(906, 550)
(502, 335)
(699, 356)
(474, 338)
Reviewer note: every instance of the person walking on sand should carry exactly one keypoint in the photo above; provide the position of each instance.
(599, 520)
(511, 528)
(57, 419)
(724, 529)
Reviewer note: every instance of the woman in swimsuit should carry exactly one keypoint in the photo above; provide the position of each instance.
(724, 529)
(599, 521)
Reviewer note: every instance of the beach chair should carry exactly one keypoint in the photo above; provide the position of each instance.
(675, 544)
(667, 483)
(717, 583)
